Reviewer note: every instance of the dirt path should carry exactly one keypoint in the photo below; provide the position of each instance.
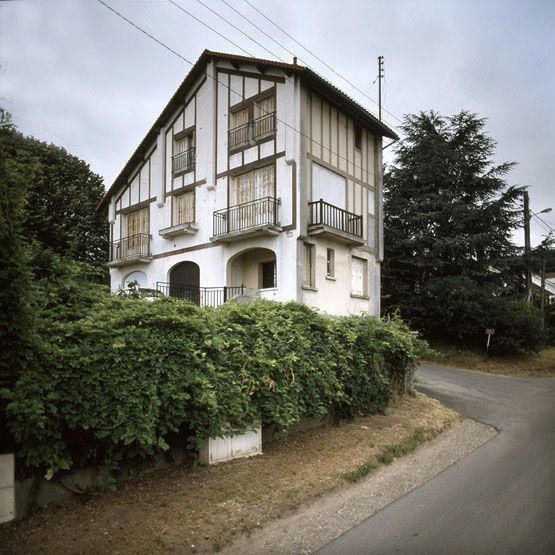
(192, 509)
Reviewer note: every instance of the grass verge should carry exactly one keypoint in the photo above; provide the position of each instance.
(540, 364)
(201, 509)
(391, 452)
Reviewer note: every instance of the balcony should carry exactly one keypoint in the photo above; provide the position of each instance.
(330, 220)
(254, 218)
(184, 161)
(130, 250)
(201, 296)
(252, 132)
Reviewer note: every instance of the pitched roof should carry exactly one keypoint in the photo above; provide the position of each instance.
(311, 78)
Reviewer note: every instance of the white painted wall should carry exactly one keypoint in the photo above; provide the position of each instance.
(328, 170)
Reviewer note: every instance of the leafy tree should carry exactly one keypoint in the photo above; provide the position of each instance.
(17, 169)
(61, 200)
(17, 322)
(448, 215)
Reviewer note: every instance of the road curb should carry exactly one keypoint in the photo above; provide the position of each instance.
(336, 513)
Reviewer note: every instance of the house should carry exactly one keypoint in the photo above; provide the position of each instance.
(259, 177)
(548, 288)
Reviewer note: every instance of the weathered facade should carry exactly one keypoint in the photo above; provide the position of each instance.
(257, 177)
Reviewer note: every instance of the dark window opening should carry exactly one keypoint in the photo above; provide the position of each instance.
(268, 274)
(358, 136)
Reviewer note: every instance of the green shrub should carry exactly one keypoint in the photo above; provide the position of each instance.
(458, 310)
(119, 378)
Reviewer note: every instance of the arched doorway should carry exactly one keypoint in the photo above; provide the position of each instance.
(185, 282)
(253, 268)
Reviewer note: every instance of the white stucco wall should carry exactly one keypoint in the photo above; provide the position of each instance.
(293, 156)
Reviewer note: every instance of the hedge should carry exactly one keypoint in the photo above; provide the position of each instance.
(124, 378)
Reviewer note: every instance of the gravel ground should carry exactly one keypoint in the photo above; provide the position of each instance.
(331, 516)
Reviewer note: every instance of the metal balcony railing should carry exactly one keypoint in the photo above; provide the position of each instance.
(256, 213)
(264, 126)
(254, 130)
(183, 161)
(201, 296)
(130, 247)
(323, 213)
(238, 136)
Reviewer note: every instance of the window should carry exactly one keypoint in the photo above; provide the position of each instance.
(359, 281)
(308, 278)
(269, 278)
(253, 185)
(138, 222)
(330, 263)
(184, 208)
(371, 221)
(256, 185)
(136, 233)
(358, 136)
(252, 121)
(183, 158)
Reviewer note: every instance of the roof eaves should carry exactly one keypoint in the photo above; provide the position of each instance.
(368, 118)
(334, 92)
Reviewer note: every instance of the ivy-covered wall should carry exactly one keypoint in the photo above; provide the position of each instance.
(127, 378)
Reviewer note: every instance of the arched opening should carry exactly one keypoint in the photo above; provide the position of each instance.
(185, 282)
(139, 277)
(253, 268)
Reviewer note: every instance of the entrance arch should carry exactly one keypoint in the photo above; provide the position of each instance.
(185, 281)
(254, 268)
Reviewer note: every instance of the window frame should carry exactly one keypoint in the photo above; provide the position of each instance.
(330, 263)
(175, 197)
(357, 136)
(188, 133)
(249, 104)
(262, 265)
(309, 266)
(363, 292)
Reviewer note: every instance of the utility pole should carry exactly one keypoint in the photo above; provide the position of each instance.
(542, 296)
(380, 77)
(527, 247)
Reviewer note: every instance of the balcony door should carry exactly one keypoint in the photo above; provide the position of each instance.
(250, 187)
(136, 228)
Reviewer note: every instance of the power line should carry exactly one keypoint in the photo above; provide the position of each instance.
(237, 28)
(261, 30)
(163, 45)
(289, 51)
(318, 58)
(545, 224)
(206, 25)
(293, 128)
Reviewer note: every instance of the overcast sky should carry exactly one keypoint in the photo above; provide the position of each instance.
(77, 75)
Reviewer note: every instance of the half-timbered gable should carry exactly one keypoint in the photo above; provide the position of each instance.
(258, 179)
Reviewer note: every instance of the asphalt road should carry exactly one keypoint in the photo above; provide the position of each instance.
(499, 499)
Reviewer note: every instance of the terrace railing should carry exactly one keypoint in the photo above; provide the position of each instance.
(323, 213)
(254, 130)
(201, 296)
(251, 214)
(134, 246)
(183, 161)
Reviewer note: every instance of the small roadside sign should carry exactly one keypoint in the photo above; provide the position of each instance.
(489, 333)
